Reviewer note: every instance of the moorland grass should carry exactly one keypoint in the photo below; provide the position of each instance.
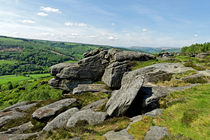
(188, 117)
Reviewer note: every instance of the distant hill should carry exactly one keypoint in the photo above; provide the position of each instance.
(154, 50)
(196, 48)
(18, 55)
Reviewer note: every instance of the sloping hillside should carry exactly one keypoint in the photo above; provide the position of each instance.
(35, 56)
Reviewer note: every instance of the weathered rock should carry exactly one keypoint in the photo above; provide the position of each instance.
(152, 94)
(14, 106)
(10, 115)
(19, 129)
(165, 54)
(92, 53)
(55, 69)
(117, 55)
(17, 136)
(202, 55)
(51, 109)
(82, 88)
(95, 105)
(92, 68)
(121, 135)
(156, 133)
(25, 107)
(67, 85)
(154, 112)
(87, 115)
(113, 74)
(119, 103)
(60, 120)
(85, 71)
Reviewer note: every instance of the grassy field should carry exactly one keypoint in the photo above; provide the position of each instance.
(14, 78)
(7, 62)
(187, 115)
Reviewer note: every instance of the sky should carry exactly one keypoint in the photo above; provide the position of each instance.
(121, 23)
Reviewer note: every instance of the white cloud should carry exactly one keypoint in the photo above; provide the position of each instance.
(144, 30)
(28, 21)
(112, 38)
(50, 9)
(195, 35)
(113, 24)
(42, 14)
(75, 24)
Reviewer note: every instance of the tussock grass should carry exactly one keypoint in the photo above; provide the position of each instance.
(189, 117)
(88, 132)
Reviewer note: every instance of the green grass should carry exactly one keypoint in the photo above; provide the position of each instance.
(187, 116)
(10, 62)
(70, 61)
(27, 90)
(141, 64)
(14, 78)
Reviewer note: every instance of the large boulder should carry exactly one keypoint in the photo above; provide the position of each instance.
(67, 84)
(121, 100)
(113, 74)
(60, 120)
(82, 88)
(90, 116)
(58, 67)
(52, 109)
(117, 55)
(88, 68)
(156, 133)
(92, 67)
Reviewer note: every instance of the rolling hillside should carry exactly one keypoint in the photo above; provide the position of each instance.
(20, 56)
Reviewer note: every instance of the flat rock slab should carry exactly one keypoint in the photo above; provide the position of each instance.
(121, 100)
(51, 109)
(17, 136)
(14, 106)
(154, 112)
(82, 88)
(95, 105)
(10, 115)
(19, 129)
(22, 106)
(90, 116)
(60, 120)
(121, 135)
(156, 133)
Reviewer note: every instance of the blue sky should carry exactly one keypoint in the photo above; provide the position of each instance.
(150, 23)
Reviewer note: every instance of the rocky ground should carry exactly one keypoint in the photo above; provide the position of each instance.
(133, 94)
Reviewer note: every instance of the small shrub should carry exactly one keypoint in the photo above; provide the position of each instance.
(196, 67)
(189, 116)
(195, 80)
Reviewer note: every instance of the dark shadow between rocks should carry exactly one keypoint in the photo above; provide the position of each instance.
(138, 106)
